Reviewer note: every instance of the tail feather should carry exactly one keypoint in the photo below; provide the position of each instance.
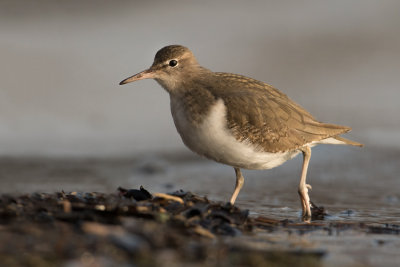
(338, 140)
(347, 141)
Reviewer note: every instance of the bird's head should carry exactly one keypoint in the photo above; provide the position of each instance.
(172, 66)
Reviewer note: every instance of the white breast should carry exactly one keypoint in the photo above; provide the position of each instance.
(213, 140)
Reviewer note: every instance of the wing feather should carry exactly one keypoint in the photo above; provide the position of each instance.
(266, 117)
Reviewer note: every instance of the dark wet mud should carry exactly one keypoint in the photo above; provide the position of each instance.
(43, 224)
(139, 228)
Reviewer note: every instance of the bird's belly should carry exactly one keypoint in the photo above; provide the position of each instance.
(212, 139)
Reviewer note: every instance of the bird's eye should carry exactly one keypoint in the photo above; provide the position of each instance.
(173, 63)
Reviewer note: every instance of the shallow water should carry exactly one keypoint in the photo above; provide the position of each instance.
(351, 183)
(354, 185)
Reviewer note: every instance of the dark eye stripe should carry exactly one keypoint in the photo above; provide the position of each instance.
(173, 63)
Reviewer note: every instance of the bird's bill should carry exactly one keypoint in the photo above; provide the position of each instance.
(146, 74)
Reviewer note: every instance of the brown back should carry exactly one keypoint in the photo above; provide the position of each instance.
(267, 118)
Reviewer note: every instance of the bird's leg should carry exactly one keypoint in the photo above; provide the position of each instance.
(303, 187)
(239, 185)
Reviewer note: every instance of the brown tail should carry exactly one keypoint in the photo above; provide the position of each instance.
(347, 141)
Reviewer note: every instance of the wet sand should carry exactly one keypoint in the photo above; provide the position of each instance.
(357, 187)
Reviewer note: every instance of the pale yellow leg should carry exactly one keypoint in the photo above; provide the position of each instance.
(239, 185)
(303, 187)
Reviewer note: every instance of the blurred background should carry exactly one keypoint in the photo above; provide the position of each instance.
(66, 124)
(61, 62)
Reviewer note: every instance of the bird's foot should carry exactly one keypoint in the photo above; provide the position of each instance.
(305, 201)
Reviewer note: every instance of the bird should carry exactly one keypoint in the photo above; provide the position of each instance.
(236, 120)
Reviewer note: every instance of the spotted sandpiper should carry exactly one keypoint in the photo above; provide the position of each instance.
(236, 120)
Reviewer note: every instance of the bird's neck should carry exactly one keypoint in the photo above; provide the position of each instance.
(193, 100)
(170, 85)
(184, 81)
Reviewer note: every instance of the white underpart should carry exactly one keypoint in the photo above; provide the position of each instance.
(330, 141)
(213, 139)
